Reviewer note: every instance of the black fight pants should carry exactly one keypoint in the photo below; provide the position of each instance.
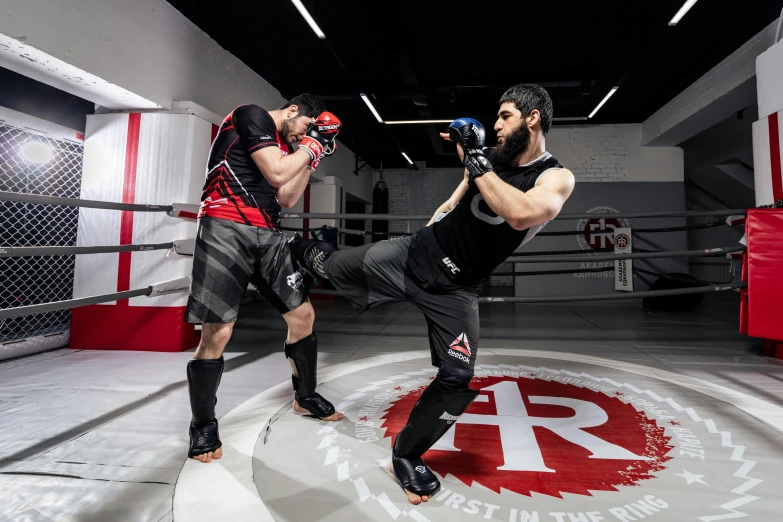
(413, 269)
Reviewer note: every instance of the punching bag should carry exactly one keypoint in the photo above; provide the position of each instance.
(380, 205)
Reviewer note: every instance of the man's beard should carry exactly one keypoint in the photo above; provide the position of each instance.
(287, 131)
(513, 145)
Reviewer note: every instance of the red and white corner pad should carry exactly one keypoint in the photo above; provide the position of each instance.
(767, 154)
(138, 157)
(225, 489)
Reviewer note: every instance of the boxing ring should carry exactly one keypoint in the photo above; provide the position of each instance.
(667, 445)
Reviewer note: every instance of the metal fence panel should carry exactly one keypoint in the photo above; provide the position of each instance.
(37, 165)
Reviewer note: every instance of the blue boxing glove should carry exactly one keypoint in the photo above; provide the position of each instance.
(471, 135)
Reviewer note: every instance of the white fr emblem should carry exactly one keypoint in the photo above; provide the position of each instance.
(521, 451)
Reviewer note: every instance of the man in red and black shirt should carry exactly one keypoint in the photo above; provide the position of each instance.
(260, 161)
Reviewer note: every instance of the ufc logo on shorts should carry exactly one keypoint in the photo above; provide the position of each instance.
(450, 264)
(521, 451)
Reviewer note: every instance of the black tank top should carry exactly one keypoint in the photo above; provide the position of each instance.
(475, 239)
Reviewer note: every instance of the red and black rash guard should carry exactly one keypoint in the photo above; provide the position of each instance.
(235, 188)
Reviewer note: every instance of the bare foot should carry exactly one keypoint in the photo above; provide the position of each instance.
(413, 498)
(336, 416)
(209, 457)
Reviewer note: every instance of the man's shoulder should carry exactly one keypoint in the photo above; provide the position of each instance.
(551, 166)
(251, 110)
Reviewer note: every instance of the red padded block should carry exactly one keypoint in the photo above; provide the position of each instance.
(142, 328)
(764, 230)
(773, 348)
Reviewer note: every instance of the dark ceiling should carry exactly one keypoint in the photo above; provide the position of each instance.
(427, 59)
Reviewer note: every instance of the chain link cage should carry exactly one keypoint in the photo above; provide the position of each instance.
(34, 164)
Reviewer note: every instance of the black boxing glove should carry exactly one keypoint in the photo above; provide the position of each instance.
(471, 135)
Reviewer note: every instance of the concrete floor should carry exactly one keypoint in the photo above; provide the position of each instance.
(102, 436)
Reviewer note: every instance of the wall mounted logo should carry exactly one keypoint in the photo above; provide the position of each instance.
(598, 234)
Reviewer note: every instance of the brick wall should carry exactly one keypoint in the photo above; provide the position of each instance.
(397, 183)
(600, 153)
(593, 154)
(439, 185)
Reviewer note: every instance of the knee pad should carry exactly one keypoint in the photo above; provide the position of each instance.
(311, 254)
(453, 377)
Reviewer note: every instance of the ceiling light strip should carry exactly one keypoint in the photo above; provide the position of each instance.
(372, 108)
(308, 18)
(683, 10)
(606, 98)
(407, 158)
(411, 122)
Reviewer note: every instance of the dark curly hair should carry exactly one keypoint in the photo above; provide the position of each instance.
(528, 97)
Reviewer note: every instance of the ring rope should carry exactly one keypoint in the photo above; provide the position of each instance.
(680, 279)
(616, 257)
(555, 272)
(610, 269)
(634, 230)
(596, 297)
(73, 250)
(22, 197)
(426, 217)
(616, 296)
(155, 289)
(351, 232)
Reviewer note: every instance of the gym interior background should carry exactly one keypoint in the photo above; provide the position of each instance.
(650, 116)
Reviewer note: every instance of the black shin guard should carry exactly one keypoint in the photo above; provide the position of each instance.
(203, 381)
(304, 353)
(431, 417)
(311, 254)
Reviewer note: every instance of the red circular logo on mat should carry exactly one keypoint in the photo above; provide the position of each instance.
(593, 232)
(533, 435)
(622, 240)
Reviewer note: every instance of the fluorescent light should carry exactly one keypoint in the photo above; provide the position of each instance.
(684, 9)
(407, 158)
(36, 152)
(606, 98)
(570, 118)
(369, 104)
(306, 15)
(406, 122)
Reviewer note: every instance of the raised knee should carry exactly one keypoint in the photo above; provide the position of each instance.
(453, 377)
